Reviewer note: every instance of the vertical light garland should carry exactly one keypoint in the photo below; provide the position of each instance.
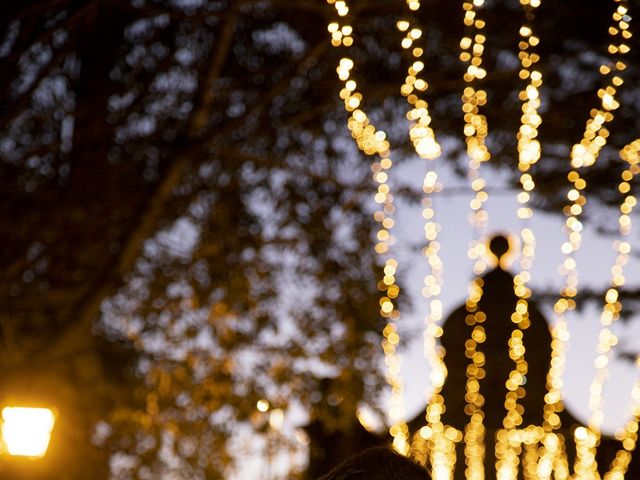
(438, 450)
(475, 132)
(474, 433)
(612, 306)
(475, 127)
(528, 155)
(629, 434)
(529, 152)
(374, 142)
(583, 154)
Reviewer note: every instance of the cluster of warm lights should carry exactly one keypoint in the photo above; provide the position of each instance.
(474, 430)
(426, 146)
(436, 445)
(372, 141)
(610, 313)
(341, 36)
(475, 131)
(538, 451)
(586, 152)
(507, 457)
(420, 132)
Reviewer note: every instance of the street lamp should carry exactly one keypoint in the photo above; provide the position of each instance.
(26, 431)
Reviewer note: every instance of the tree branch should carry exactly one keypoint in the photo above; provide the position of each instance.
(77, 333)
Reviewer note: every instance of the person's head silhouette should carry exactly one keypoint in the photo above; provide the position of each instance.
(379, 463)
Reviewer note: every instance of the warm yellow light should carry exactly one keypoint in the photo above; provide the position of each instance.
(262, 405)
(26, 431)
(276, 418)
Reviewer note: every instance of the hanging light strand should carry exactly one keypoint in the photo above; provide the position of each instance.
(475, 132)
(426, 146)
(475, 126)
(474, 433)
(612, 305)
(434, 444)
(628, 436)
(611, 312)
(374, 142)
(528, 155)
(583, 154)
(585, 463)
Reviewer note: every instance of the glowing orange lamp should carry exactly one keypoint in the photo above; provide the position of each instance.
(26, 431)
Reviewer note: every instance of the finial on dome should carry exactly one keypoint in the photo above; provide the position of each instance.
(500, 248)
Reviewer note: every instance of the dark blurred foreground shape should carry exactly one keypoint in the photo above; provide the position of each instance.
(380, 463)
(334, 431)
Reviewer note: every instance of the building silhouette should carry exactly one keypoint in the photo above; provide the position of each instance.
(498, 303)
(329, 447)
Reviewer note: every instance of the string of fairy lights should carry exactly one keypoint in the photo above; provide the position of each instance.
(507, 449)
(475, 127)
(374, 142)
(612, 306)
(611, 311)
(426, 147)
(528, 155)
(584, 154)
(538, 450)
(475, 133)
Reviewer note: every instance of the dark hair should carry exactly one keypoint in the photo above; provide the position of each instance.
(379, 463)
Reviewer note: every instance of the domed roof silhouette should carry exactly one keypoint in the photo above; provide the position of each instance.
(498, 302)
